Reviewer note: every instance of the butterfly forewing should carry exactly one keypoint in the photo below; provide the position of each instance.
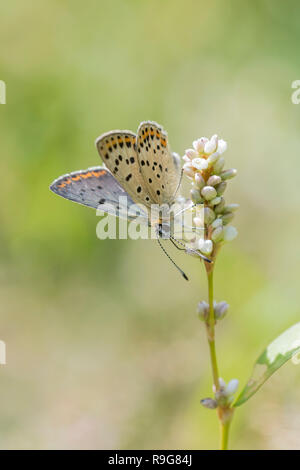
(97, 188)
(159, 167)
(118, 151)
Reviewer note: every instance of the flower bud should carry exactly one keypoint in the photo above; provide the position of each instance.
(209, 215)
(217, 234)
(213, 158)
(200, 163)
(218, 166)
(198, 221)
(222, 384)
(205, 246)
(213, 180)
(203, 310)
(227, 218)
(199, 144)
(228, 174)
(231, 387)
(208, 192)
(215, 201)
(217, 223)
(221, 188)
(196, 196)
(231, 208)
(190, 153)
(211, 145)
(220, 310)
(209, 403)
(186, 159)
(188, 169)
(219, 208)
(222, 146)
(230, 233)
(199, 181)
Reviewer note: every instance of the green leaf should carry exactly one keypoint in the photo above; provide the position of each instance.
(274, 356)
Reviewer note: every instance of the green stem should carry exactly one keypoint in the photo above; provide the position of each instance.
(211, 330)
(224, 413)
(224, 430)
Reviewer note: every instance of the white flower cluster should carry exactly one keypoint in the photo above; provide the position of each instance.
(224, 396)
(204, 165)
(226, 392)
(204, 154)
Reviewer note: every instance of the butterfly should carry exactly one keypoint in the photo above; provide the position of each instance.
(139, 166)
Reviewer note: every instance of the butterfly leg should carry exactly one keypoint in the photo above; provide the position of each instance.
(173, 262)
(173, 240)
(174, 243)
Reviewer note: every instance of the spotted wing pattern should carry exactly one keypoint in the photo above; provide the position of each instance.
(118, 151)
(97, 188)
(159, 167)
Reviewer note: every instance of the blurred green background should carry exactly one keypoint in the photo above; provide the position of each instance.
(104, 349)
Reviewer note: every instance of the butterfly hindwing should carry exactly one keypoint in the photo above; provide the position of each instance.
(118, 152)
(159, 167)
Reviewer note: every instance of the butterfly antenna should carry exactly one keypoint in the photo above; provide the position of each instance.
(165, 252)
(179, 183)
(173, 240)
(185, 209)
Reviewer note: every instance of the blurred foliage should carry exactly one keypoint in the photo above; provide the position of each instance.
(104, 349)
